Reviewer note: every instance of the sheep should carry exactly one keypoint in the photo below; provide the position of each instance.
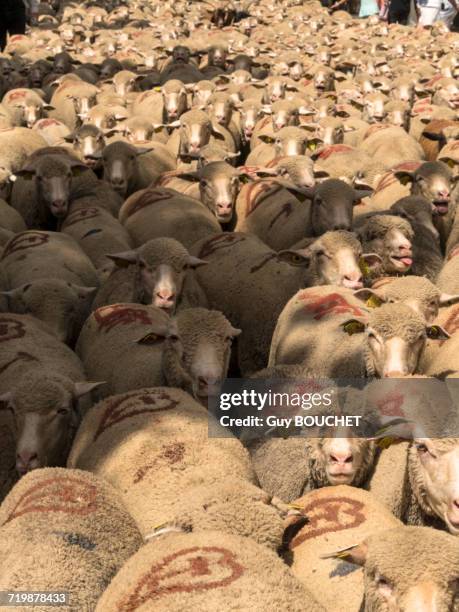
(32, 255)
(88, 142)
(222, 568)
(62, 306)
(287, 141)
(158, 273)
(178, 456)
(436, 135)
(242, 265)
(160, 212)
(10, 219)
(25, 106)
(379, 145)
(336, 519)
(45, 202)
(16, 144)
(72, 101)
(394, 338)
(417, 292)
(341, 161)
(191, 351)
(128, 169)
(53, 131)
(270, 211)
(95, 230)
(39, 376)
(286, 468)
(390, 237)
(196, 131)
(216, 185)
(64, 530)
(360, 532)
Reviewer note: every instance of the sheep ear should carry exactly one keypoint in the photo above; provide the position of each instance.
(370, 260)
(449, 161)
(150, 339)
(294, 258)
(48, 107)
(433, 136)
(446, 299)
(370, 297)
(189, 176)
(352, 554)
(437, 332)
(123, 260)
(234, 332)
(217, 135)
(195, 262)
(359, 194)
(82, 388)
(404, 177)
(266, 139)
(77, 168)
(353, 326)
(143, 150)
(26, 174)
(113, 132)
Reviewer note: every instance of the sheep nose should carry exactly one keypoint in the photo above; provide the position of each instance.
(209, 380)
(118, 181)
(341, 458)
(444, 193)
(353, 281)
(26, 460)
(341, 226)
(224, 207)
(165, 294)
(395, 374)
(172, 112)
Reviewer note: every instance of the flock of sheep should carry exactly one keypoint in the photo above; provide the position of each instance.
(197, 190)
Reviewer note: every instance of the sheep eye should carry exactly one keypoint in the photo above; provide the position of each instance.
(382, 581)
(422, 448)
(62, 411)
(203, 183)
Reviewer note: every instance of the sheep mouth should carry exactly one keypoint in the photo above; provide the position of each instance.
(441, 206)
(452, 523)
(401, 262)
(341, 478)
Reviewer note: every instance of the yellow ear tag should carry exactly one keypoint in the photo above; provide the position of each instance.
(364, 268)
(353, 327)
(312, 146)
(384, 443)
(156, 88)
(451, 163)
(373, 302)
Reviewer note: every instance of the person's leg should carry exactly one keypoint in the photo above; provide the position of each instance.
(16, 23)
(428, 15)
(2, 36)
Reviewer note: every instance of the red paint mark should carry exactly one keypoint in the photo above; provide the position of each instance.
(149, 197)
(200, 568)
(286, 211)
(109, 317)
(328, 516)
(256, 193)
(134, 404)
(171, 453)
(10, 329)
(68, 494)
(21, 356)
(222, 241)
(391, 404)
(81, 215)
(16, 95)
(333, 149)
(377, 127)
(434, 80)
(26, 240)
(17, 38)
(44, 123)
(333, 303)
(389, 178)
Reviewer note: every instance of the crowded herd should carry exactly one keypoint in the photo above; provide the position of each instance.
(192, 191)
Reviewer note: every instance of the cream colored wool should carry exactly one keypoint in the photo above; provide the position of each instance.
(53, 255)
(206, 572)
(64, 530)
(152, 443)
(160, 212)
(338, 517)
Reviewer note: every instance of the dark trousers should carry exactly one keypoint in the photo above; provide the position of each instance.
(12, 19)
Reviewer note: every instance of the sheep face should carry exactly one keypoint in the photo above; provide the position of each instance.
(249, 117)
(120, 163)
(390, 238)
(332, 206)
(395, 337)
(46, 415)
(82, 104)
(175, 102)
(62, 306)
(195, 133)
(433, 181)
(206, 354)
(288, 141)
(88, 143)
(221, 109)
(340, 460)
(434, 474)
(30, 111)
(395, 579)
